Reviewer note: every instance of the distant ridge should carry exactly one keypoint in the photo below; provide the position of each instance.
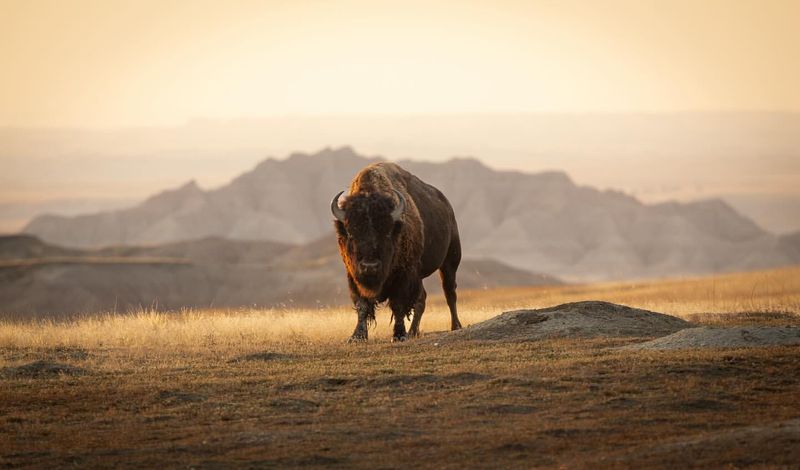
(41, 280)
(540, 222)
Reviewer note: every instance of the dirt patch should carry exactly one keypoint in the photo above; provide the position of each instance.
(69, 353)
(174, 397)
(401, 381)
(735, 448)
(578, 320)
(449, 380)
(53, 354)
(313, 461)
(328, 384)
(264, 356)
(295, 405)
(720, 337)
(504, 409)
(745, 319)
(41, 369)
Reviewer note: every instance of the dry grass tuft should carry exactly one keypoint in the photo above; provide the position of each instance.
(233, 331)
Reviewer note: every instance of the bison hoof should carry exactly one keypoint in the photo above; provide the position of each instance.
(357, 339)
(399, 339)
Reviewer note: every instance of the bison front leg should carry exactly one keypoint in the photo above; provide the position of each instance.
(401, 304)
(419, 309)
(366, 313)
(399, 315)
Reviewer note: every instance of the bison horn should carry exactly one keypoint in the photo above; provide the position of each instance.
(401, 206)
(335, 209)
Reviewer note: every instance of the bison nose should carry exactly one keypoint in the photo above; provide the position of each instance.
(369, 266)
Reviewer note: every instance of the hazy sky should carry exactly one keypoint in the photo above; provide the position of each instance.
(117, 63)
(453, 77)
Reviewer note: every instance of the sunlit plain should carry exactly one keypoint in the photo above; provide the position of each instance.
(716, 299)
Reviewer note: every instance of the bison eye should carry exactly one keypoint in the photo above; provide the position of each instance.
(396, 228)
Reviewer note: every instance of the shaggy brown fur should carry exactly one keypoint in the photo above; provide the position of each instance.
(424, 239)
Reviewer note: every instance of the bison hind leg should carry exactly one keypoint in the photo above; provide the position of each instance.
(448, 275)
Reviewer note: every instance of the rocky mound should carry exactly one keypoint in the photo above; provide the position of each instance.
(41, 369)
(719, 337)
(578, 319)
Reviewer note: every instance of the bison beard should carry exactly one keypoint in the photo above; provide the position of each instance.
(393, 231)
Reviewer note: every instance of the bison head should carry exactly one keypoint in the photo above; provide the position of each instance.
(368, 226)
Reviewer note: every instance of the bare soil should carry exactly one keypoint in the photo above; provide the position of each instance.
(725, 337)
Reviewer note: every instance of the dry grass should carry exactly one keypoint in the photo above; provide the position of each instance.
(763, 297)
(263, 389)
(775, 290)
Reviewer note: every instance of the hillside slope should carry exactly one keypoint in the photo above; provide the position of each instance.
(539, 222)
(38, 279)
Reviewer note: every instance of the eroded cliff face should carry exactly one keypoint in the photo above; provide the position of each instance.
(539, 222)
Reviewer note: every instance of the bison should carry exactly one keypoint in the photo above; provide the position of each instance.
(394, 230)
